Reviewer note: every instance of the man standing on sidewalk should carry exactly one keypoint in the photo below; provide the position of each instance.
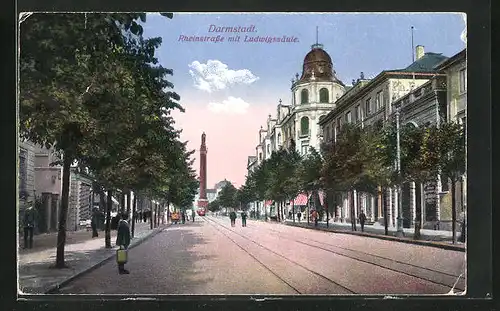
(362, 219)
(123, 239)
(315, 217)
(29, 225)
(243, 219)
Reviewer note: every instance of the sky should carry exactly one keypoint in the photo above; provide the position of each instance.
(228, 88)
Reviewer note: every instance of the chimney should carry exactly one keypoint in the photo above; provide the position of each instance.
(419, 51)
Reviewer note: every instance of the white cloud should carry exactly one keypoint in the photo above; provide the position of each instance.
(215, 75)
(232, 105)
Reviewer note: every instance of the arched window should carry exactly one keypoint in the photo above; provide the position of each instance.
(323, 96)
(304, 126)
(279, 138)
(304, 96)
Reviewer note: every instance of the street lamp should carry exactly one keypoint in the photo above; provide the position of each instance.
(400, 232)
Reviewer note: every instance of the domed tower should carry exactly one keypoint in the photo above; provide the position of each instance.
(314, 95)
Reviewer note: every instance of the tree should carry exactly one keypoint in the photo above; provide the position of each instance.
(73, 65)
(449, 140)
(309, 174)
(227, 196)
(345, 164)
(214, 206)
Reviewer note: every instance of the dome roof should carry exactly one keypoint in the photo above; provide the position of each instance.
(318, 66)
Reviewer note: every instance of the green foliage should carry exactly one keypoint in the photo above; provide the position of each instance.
(227, 196)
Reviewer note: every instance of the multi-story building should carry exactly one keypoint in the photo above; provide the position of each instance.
(455, 69)
(369, 101)
(314, 94)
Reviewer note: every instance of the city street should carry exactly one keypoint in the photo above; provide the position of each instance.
(208, 256)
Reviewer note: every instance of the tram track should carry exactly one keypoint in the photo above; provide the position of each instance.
(453, 278)
(302, 241)
(216, 225)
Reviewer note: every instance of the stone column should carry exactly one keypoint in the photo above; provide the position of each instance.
(345, 207)
(47, 200)
(413, 202)
(355, 199)
(389, 207)
(380, 202)
(372, 208)
(396, 207)
(438, 198)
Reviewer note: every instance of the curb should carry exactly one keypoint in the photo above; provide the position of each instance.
(389, 238)
(55, 288)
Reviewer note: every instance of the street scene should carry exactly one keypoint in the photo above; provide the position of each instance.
(209, 256)
(171, 154)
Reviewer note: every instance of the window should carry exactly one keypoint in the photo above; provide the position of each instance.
(368, 108)
(279, 138)
(357, 113)
(268, 149)
(462, 81)
(348, 117)
(378, 101)
(23, 172)
(333, 133)
(327, 133)
(304, 96)
(304, 126)
(260, 156)
(304, 147)
(323, 95)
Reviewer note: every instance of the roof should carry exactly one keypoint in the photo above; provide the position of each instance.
(450, 61)
(426, 63)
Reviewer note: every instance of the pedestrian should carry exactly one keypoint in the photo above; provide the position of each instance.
(362, 219)
(193, 213)
(232, 216)
(314, 215)
(123, 241)
(299, 215)
(93, 222)
(290, 215)
(29, 225)
(183, 216)
(243, 219)
(144, 216)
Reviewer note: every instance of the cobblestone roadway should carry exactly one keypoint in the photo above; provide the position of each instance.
(210, 257)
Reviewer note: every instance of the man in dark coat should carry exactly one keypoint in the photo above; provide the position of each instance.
(232, 216)
(362, 219)
(193, 214)
(123, 239)
(29, 225)
(243, 219)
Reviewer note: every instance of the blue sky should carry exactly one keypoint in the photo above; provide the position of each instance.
(245, 80)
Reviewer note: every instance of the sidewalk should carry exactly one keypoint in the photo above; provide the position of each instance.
(436, 238)
(36, 272)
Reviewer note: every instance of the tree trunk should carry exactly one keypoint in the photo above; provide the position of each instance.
(63, 214)
(384, 205)
(293, 211)
(107, 234)
(128, 202)
(418, 210)
(168, 208)
(453, 211)
(134, 209)
(151, 214)
(122, 202)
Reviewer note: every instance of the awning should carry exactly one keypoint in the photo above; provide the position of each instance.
(301, 199)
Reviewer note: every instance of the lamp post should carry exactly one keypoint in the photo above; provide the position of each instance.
(400, 232)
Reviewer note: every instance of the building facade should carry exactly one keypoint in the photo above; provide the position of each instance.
(371, 101)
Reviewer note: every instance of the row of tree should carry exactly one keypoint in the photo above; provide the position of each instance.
(362, 159)
(93, 91)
